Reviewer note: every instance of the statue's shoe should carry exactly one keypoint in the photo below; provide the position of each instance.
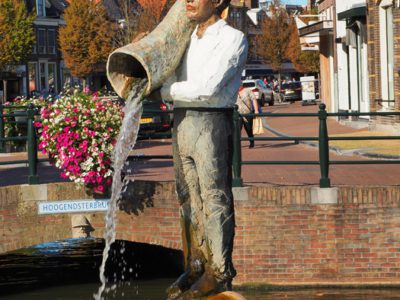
(205, 286)
(228, 295)
(182, 284)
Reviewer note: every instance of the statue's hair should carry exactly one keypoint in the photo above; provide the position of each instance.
(221, 6)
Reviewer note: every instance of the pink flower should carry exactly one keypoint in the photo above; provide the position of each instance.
(63, 175)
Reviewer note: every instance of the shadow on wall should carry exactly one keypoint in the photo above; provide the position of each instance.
(136, 196)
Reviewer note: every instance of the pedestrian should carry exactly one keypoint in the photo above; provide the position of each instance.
(204, 90)
(247, 104)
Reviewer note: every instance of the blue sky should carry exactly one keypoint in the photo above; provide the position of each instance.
(299, 2)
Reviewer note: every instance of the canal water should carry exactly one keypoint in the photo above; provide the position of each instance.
(68, 270)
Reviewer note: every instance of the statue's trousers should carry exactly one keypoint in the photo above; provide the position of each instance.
(202, 144)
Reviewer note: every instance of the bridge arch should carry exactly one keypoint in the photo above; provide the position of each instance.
(283, 236)
(143, 222)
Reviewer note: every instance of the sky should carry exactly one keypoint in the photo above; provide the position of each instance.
(298, 2)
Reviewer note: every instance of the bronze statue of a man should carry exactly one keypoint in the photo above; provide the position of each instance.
(204, 90)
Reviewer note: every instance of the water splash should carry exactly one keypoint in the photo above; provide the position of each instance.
(125, 142)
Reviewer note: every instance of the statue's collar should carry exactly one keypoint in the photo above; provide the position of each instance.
(212, 29)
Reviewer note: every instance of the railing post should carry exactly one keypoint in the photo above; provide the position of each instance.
(237, 150)
(2, 142)
(324, 181)
(32, 146)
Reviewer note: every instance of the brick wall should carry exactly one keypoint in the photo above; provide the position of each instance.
(281, 237)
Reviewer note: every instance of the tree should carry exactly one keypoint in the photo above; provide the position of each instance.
(86, 39)
(140, 18)
(309, 61)
(275, 36)
(303, 61)
(293, 49)
(129, 12)
(17, 35)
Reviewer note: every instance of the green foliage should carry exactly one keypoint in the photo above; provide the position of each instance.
(86, 40)
(309, 61)
(17, 34)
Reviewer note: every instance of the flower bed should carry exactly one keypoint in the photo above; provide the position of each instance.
(79, 133)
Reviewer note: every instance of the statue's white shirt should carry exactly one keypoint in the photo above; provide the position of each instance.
(209, 75)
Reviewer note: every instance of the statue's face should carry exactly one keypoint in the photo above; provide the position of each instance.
(200, 10)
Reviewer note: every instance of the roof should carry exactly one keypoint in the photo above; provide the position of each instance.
(252, 13)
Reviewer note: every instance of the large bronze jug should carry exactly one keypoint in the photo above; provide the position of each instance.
(154, 57)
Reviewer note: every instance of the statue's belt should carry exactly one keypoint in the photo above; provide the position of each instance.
(205, 109)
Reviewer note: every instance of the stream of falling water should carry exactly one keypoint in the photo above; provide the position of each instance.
(126, 140)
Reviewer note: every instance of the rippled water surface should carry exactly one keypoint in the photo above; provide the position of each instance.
(68, 270)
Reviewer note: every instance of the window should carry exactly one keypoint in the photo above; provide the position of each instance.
(51, 41)
(51, 77)
(32, 75)
(41, 41)
(47, 76)
(387, 52)
(43, 74)
(66, 79)
(40, 8)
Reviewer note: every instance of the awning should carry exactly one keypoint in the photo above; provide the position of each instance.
(360, 11)
(321, 27)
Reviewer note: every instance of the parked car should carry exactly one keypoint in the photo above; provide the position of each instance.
(291, 91)
(262, 92)
(153, 120)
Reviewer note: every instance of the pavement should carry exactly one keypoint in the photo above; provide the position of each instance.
(280, 175)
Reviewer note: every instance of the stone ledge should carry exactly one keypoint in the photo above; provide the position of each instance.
(324, 195)
(241, 193)
(37, 192)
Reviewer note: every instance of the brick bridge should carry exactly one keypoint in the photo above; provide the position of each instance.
(282, 237)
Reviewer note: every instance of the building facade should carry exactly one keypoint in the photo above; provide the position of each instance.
(351, 42)
(45, 68)
(247, 16)
(322, 32)
(384, 61)
(360, 57)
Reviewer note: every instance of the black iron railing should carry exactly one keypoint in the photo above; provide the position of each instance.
(323, 142)
(6, 116)
(323, 139)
